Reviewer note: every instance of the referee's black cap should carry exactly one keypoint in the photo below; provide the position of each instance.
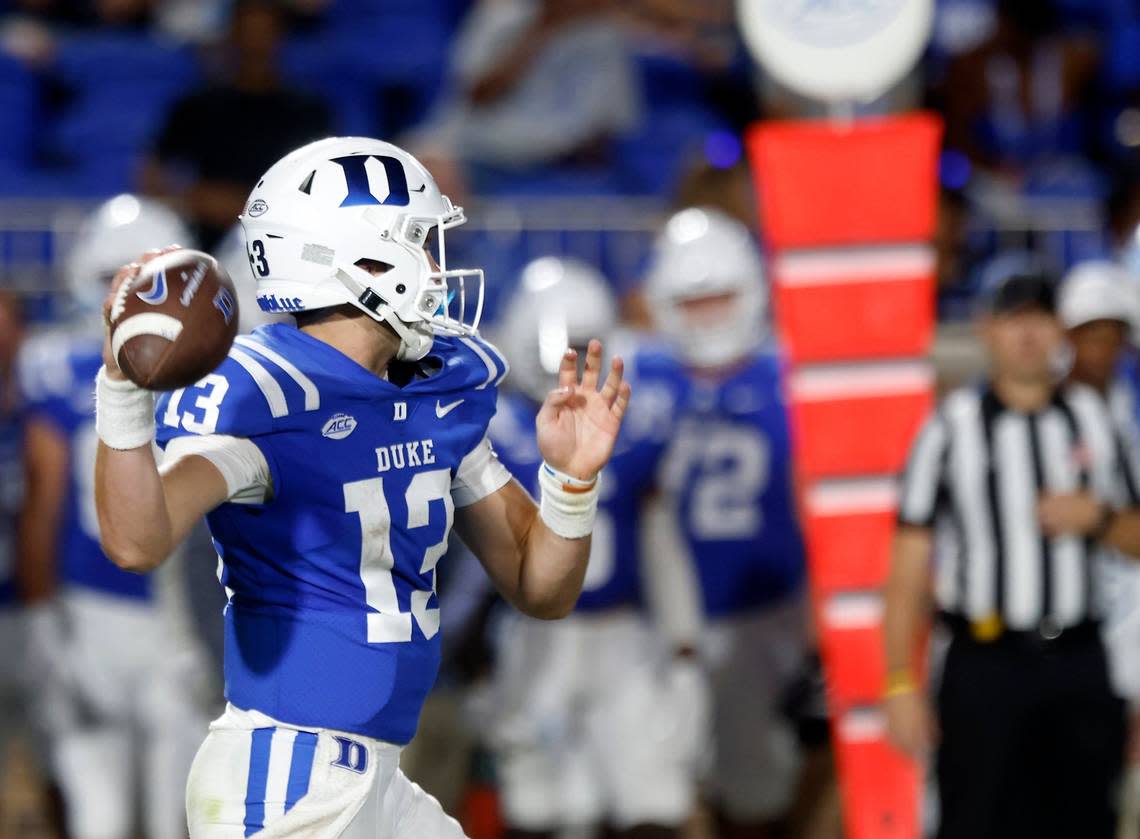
(1021, 292)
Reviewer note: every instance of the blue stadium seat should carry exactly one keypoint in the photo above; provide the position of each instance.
(91, 61)
(123, 86)
(1121, 57)
(19, 102)
(106, 124)
(666, 80)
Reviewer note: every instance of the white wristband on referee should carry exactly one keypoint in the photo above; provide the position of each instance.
(124, 412)
(569, 505)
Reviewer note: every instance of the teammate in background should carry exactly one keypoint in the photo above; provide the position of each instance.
(13, 705)
(332, 459)
(729, 475)
(1096, 306)
(119, 668)
(601, 715)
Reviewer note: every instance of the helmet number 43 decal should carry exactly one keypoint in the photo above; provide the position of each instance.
(360, 187)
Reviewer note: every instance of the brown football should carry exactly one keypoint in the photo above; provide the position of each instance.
(174, 323)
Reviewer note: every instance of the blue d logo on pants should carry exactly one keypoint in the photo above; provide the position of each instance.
(353, 755)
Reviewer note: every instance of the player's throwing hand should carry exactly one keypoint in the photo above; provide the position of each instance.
(578, 423)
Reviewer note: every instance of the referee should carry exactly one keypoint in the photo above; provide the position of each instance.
(1012, 490)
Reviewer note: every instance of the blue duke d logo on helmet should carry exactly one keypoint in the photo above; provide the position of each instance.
(360, 192)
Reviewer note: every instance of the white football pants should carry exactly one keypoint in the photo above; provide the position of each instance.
(254, 776)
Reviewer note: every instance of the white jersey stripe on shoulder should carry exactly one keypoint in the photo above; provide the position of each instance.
(265, 381)
(492, 370)
(312, 395)
(500, 359)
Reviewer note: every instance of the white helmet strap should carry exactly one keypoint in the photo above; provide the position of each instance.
(412, 340)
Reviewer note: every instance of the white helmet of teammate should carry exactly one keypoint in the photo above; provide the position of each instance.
(324, 207)
(704, 254)
(117, 231)
(1097, 290)
(558, 303)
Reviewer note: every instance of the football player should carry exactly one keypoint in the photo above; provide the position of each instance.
(598, 723)
(120, 672)
(729, 474)
(12, 704)
(332, 459)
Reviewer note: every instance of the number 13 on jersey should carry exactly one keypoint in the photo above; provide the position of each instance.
(385, 621)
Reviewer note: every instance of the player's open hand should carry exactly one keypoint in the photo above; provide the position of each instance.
(579, 423)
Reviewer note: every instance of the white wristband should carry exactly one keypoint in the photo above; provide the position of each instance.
(124, 412)
(569, 505)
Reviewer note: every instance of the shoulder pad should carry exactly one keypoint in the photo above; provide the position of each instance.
(244, 397)
(469, 363)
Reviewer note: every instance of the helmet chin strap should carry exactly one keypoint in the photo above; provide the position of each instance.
(414, 342)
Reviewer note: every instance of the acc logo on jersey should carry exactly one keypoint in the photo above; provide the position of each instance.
(257, 207)
(156, 294)
(339, 426)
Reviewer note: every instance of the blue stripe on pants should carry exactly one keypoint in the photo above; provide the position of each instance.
(258, 778)
(304, 747)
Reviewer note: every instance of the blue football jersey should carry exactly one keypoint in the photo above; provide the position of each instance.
(57, 378)
(332, 619)
(11, 489)
(612, 576)
(730, 470)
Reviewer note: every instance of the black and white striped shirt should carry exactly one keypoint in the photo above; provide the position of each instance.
(975, 474)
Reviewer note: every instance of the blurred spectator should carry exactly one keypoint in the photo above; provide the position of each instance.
(536, 82)
(217, 141)
(1016, 99)
(703, 37)
(110, 13)
(1124, 206)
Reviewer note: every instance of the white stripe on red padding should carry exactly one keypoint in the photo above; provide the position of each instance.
(862, 725)
(840, 381)
(853, 610)
(853, 265)
(846, 497)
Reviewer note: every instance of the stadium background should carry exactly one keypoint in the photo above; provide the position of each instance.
(1041, 102)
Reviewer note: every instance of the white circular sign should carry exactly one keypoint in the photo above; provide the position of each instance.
(837, 50)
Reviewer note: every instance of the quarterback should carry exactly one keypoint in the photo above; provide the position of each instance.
(331, 460)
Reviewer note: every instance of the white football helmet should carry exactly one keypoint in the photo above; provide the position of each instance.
(233, 256)
(703, 253)
(324, 207)
(1097, 290)
(118, 231)
(558, 303)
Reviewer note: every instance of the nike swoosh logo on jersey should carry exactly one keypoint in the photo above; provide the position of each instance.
(442, 411)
